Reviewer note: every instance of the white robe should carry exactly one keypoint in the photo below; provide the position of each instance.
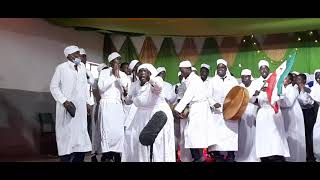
(247, 131)
(293, 123)
(270, 133)
(224, 131)
(180, 125)
(95, 123)
(69, 84)
(111, 113)
(130, 111)
(168, 90)
(196, 129)
(315, 94)
(148, 100)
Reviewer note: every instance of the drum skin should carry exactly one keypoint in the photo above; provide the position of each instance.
(235, 103)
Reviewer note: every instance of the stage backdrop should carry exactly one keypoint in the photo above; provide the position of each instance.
(239, 52)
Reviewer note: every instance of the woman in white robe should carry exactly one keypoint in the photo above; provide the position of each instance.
(148, 99)
(293, 121)
(315, 95)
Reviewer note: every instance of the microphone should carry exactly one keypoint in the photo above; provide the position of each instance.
(150, 132)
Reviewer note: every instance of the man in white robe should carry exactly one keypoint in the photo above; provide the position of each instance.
(247, 128)
(315, 94)
(224, 131)
(271, 141)
(111, 83)
(146, 93)
(309, 114)
(69, 85)
(204, 74)
(196, 129)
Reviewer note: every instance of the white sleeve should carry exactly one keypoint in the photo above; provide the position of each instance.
(132, 91)
(156, 85)
(186, 99)
(90, 78)
(123, 80)
(314, 94)
(55, 86)
(210, 93)
(289, 99)
(305, 99)
(105, 80)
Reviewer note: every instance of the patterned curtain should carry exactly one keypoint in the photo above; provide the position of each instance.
(167, 57)
(209, 55)
(127, 51)
(148, 51)
(189, 50)
(108, 47)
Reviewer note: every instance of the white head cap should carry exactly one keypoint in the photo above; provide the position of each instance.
(205, 66)
(133, 63)
(193, 69)
(101, 66)
(295, 72)
(70, 49)
(263, 63)
(160, 69)
(82, 51)
(222, 61)
(246, 72)
(186, 63)
(113, 56)
(150, 68)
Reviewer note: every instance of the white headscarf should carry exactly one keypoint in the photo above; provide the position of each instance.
(224, 62)
(150, 68)
(70, 49)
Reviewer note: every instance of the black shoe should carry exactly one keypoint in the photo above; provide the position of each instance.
(229, 159)
(94, 158)
(202, 159)
(219, 159)
(311, 160)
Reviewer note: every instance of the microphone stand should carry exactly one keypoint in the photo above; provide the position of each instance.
(151, 152)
